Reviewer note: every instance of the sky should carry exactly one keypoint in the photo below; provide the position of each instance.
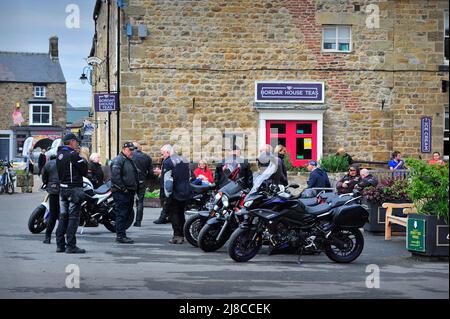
(26, 26)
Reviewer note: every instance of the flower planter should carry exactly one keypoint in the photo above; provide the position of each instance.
(427, 236)
(377, 218)
(21, 180)
(152, 202)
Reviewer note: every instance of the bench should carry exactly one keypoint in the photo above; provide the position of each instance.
(392, 219)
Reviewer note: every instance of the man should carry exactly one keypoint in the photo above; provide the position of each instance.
(341, 152)
(144, 165)
(71, 169)
(41, 161)
(367, 180)
(396, 162)
(124, 178)
(177, 189)
(50, 179)
(234, 167)
(318, 178)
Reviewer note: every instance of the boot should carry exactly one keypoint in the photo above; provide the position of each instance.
(75, 250)
(47, 240)
(137, 224)
(60, 249)
(124, 240)
(176, 240)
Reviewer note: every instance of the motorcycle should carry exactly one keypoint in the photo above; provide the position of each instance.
(217, 230)
(7, 179)
(331, 227)
(98, 208)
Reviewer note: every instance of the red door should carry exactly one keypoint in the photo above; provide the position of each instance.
(299, 137)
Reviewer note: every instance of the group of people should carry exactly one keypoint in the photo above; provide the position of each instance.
(63, 176)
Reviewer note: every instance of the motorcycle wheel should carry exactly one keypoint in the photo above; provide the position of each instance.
(241, 247)
(207, 237)
(36, 223)
(192, 228)
(351, 245)
(10, 188)
(110, 222)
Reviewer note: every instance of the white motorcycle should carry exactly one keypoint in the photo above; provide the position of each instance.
(98, 208)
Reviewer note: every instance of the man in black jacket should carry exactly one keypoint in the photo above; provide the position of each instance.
(234, 167)
(50, 180)
(145, 167)
(124, 178)
(366, 180)
(71, 169)
(318, 178)
(177, 190)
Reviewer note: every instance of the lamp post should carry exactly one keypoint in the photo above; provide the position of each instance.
(86, 75)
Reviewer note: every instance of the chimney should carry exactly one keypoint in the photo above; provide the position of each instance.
(53, 47)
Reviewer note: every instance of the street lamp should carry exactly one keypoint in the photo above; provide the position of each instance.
(88, 77)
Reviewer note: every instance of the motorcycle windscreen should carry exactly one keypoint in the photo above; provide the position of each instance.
(266, 214)
(350, 216)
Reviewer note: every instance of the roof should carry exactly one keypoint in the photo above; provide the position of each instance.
(30, 68)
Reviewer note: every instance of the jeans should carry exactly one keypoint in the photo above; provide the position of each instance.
(124, 205)
(53, 201)
(175, 210)
(69, 216)
(140, 203)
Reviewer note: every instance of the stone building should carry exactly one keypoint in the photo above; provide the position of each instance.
(33, 88)
(313, 75)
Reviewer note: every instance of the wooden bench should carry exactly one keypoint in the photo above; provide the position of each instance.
(392, 219)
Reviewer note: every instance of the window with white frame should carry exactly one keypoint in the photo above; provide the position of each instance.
(40, 114)
(446, 35)
(337, 38)
(39, 91)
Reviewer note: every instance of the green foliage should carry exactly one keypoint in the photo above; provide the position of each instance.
(334, 164)
(154, 194)
(429, 187)
(290, 167)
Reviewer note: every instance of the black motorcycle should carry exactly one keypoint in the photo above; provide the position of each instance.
(331, 227)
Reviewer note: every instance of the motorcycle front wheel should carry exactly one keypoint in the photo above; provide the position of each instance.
(207, 239)
(110, 221)
(36, 223)
(345, 245)
(244, 245)
(192, 228)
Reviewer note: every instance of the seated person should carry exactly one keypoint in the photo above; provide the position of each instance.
(436, 159)
(203, 175)
(366, 180)
(347, 183)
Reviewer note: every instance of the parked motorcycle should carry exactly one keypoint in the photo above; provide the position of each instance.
(331, 227)
(7, 179)
(98, 208)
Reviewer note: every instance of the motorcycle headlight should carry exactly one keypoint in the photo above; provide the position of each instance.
(225, 201)
(248, 203)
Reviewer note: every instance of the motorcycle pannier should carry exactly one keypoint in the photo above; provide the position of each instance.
(351, 216)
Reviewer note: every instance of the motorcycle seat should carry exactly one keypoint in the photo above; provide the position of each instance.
(102, 189)
(318, 210)
(308, 201)
(198, 189)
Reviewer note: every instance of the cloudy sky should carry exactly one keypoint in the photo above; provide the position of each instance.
(26, 26)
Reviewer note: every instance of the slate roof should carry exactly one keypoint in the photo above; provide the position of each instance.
(30, 68)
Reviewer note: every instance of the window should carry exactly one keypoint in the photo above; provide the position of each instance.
(337, 38)
(446, 35)
(39, 91)
(40, 114)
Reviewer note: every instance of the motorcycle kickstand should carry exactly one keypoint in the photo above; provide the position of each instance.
(299, 252)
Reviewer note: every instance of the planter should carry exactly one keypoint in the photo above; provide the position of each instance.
(427, 236)
(377, 218)
(21, 180)
(152, 202)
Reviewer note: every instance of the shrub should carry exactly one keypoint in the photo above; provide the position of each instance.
(388, 190)
(290, 167)
(429, 188)
(334, 164)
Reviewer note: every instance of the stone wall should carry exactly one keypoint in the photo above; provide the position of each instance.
(11, 93)
(201, 59)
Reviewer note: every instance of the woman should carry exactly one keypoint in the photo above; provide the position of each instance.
(280, 151)
(203, 174)
(85, 153)
(436, 159)
(95, 172)
(347, 183)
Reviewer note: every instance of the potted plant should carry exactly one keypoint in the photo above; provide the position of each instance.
(428, 229)
(388, 190)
